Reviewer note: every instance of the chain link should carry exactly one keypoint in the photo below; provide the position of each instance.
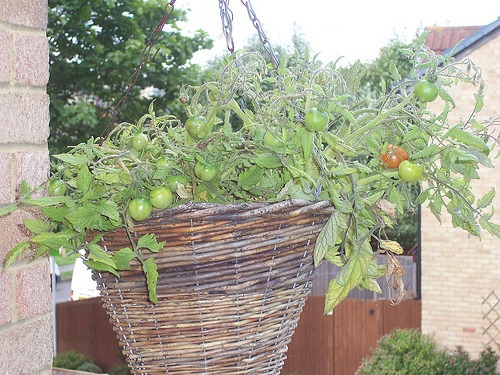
(146, 56)
(260, 31)
(227, 28)
(226, 16)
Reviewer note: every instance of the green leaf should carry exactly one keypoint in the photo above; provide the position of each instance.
(84, 217)
(370, 284)
(336, 293)
(151, 270)
(337, 144)
(44, 201)
(427, 151)
(36, 226)
(492, 228)
(74, 160)
(98, 266)
(148, 241)
(15, 253)
(54, 240)
(84, 179)
(97, 254)
(109, 209)
(5, 210)
(467, 138)
(330, 235)
(267, 160)
(123, 257)
(250, 177)
(58, 213)
(487, 199)
(306, 142)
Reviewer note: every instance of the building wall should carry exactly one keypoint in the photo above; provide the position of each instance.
(461, 274)
(26, 342)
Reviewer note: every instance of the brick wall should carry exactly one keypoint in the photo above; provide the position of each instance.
(458, 271)
(25, 298)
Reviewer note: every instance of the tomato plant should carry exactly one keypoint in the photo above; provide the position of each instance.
(161, 197)
(312, 155)
(205, 171)
(315, 120)
(139, 141)
(426, 91)
(197, 127)
(140, 208)
(410, 171)
(393, 156)
(56, 187)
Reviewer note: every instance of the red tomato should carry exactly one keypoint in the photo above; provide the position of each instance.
(394, 156)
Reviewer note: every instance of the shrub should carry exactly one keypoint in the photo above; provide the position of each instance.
(90, 367)
(407, 352)
(70, 360)
(120, 369)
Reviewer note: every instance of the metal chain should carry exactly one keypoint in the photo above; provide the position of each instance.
(146, 56)
(260, 31)
(226, 16)
(227, 28)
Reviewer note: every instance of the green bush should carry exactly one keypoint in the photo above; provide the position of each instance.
(90, 367)
(120, 369)
(407, 352)
(70, 360)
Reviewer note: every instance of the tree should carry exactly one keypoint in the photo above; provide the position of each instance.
(95, 46)
(378, 73)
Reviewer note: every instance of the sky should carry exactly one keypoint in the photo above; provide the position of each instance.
(351, 29)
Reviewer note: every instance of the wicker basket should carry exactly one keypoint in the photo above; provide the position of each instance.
(232, 283)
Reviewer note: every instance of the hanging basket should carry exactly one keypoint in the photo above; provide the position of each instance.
(233, 280)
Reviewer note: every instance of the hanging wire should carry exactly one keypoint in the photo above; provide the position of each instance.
(146, 56)
(227, 28)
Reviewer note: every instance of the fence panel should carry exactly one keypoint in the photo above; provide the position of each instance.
(336, 344)
(83, 326)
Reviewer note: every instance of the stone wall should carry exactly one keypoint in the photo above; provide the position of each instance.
(460, 273)
(26, 342)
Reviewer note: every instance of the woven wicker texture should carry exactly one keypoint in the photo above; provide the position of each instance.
(232, 283)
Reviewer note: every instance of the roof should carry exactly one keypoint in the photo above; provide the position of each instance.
(443, 40)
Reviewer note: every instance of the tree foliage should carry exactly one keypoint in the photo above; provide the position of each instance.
(95, 46)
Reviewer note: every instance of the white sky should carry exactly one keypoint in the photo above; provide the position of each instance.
(354, 29)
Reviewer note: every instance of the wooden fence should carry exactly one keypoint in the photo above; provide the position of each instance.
(322, 344)
(336, 344)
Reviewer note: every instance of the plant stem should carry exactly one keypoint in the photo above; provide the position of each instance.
(365, 130)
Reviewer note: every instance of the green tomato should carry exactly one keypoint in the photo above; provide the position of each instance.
(197, 127)
(409, 171)
(140, 208)
(162, 162)
(56, 188)
(315, 120)
(139, 141)
(174, 180)
(426, 91)
(161, 197)
(205, 172)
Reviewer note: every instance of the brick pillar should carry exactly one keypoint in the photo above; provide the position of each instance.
(26, 342)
